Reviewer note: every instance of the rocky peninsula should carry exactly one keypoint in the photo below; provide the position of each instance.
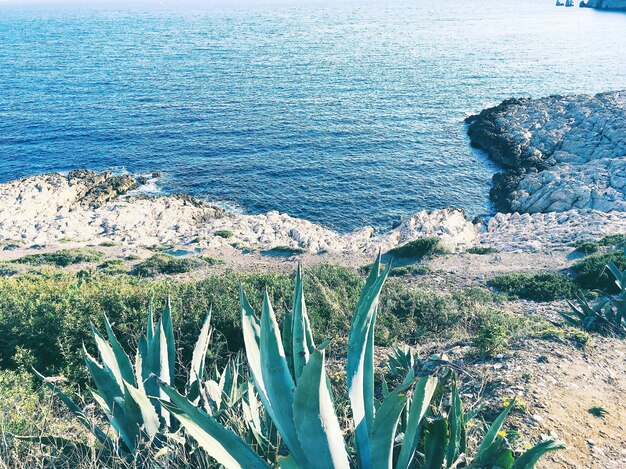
(610, 5)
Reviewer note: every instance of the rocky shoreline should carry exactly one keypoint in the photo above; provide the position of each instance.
(564, 181)
(559, 153)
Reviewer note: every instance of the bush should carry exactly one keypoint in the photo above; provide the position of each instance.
(224, 234)
(166, 265)
(613, 240)
(418, 248)
(113, 267)
(62, 258)
(536, 287)
(591, 272)
(283, 251)
(107, 244)
(212, 260)
(495, 328)
(7, 270)
(588, 247)
(482, 250)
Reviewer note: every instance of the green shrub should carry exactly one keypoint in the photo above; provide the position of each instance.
(482, 250)
(212, 260)
(283, 251)
(536, 287)
(7, 270)
(588, 247)
(613, 240)
(113, 267)
(418, 248)
(495, 328)
(409, 314)
(224, 234)
(166, 265)
(107, 244)
(591, 272)
(62, 258)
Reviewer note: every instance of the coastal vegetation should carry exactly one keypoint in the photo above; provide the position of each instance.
(146, 401)
(61, 306)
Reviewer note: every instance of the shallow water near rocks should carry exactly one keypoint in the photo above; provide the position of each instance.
(344, 114)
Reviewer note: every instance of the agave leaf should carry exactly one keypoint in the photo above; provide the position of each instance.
(77, 411)
(279, 384)
(456, 423)
(505, 459)
(220, 443)
(384, 428)
(359, 362)
(126, 425)
(146, 408)
(300, 347)
(123, 362)
(196, 373)
(422, 395)
(314, 415)
(487, 447)
(251, 328)
(435, 442)
(287, 337)
(107, 356)
(530, 457)
(617, 274)
(168, 332)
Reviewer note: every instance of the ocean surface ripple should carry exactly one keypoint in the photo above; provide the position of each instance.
(345, 114)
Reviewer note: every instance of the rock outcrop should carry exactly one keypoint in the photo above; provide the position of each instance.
(559, 153)
(89, 208)
(611, 5)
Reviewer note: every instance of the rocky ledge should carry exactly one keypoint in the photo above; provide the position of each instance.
(559, 153)
(85, 207)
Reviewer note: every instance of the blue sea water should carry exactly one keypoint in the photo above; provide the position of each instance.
(344, 113)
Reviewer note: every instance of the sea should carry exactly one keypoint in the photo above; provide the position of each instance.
(343, 113)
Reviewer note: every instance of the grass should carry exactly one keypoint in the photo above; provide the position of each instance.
(536, 287)
(482, 250)
(226, 234)
(62, 258)
(418, 248)
(591, 272)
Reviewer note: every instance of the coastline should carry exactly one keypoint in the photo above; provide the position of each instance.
(549, 149)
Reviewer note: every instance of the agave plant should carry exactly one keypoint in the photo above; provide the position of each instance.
(607, 316)
(289, 376)
(129, 394)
